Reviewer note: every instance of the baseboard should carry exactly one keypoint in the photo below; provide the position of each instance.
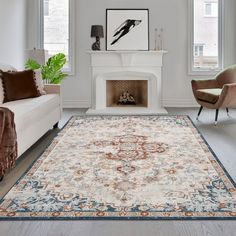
(179, 103)
(76, 104)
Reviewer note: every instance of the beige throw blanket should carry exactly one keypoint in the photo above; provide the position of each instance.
(8, 141)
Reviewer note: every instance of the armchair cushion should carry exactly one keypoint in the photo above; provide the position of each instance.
(208, 95)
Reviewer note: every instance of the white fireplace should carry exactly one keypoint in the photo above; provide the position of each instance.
(118, 73)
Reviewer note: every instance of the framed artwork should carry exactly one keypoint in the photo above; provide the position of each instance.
(127, 29)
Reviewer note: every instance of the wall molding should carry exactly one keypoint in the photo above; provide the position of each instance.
(76, 104)
(179, 103)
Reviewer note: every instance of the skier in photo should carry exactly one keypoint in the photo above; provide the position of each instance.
(124, 29)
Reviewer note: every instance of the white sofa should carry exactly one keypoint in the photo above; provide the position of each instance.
(35, 116)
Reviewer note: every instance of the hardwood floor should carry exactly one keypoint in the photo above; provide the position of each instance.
(116, 228)
(222, 139)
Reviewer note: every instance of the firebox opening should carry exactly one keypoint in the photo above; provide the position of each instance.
(127, 93)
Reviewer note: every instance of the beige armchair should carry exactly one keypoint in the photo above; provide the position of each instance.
(216, 93)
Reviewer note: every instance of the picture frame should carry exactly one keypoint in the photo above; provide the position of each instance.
(127, 29)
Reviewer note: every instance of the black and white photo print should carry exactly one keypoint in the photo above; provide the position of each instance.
(127, 29)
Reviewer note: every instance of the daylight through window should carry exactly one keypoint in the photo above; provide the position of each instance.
(56, 33)
(206, 43)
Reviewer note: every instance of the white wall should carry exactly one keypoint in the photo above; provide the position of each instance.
(172, 15)
(13, 32)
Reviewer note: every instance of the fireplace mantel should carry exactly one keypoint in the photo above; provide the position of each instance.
(126, 65)
(126, 58)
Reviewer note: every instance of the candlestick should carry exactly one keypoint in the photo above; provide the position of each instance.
(161, 39)
(156, 44)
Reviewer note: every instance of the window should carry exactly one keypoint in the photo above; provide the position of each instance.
(211, 9)
(46, 8)
(198, 50)
(205, 36)
(56, 29)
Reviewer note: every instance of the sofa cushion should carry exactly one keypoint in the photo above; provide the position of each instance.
(4, 67)
(208, 95)
(19, 85)
(27, 111)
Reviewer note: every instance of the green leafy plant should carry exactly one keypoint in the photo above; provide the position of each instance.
(52, 70)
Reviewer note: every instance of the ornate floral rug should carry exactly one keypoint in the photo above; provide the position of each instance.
(131, 167)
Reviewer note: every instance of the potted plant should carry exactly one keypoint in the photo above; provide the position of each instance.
(52, 70)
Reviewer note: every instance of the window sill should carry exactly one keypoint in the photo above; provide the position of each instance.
(209, 16)
(69, 71)
(204, 72)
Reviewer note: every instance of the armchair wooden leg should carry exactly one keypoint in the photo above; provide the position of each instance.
(227, 110)
(216, 118)
(199, 112)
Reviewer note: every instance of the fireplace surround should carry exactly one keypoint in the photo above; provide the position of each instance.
(114, 73)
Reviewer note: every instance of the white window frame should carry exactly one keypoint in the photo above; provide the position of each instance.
(47, 9)
(71, 69)
(204, 71)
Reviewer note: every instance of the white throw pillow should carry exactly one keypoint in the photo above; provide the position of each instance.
(39, 81)
(4, 67)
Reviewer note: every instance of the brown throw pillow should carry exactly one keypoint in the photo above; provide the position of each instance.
(19, 85)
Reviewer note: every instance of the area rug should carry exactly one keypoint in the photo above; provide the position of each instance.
(124, 167)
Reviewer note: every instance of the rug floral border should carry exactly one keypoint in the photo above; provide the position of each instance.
(229, 182)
